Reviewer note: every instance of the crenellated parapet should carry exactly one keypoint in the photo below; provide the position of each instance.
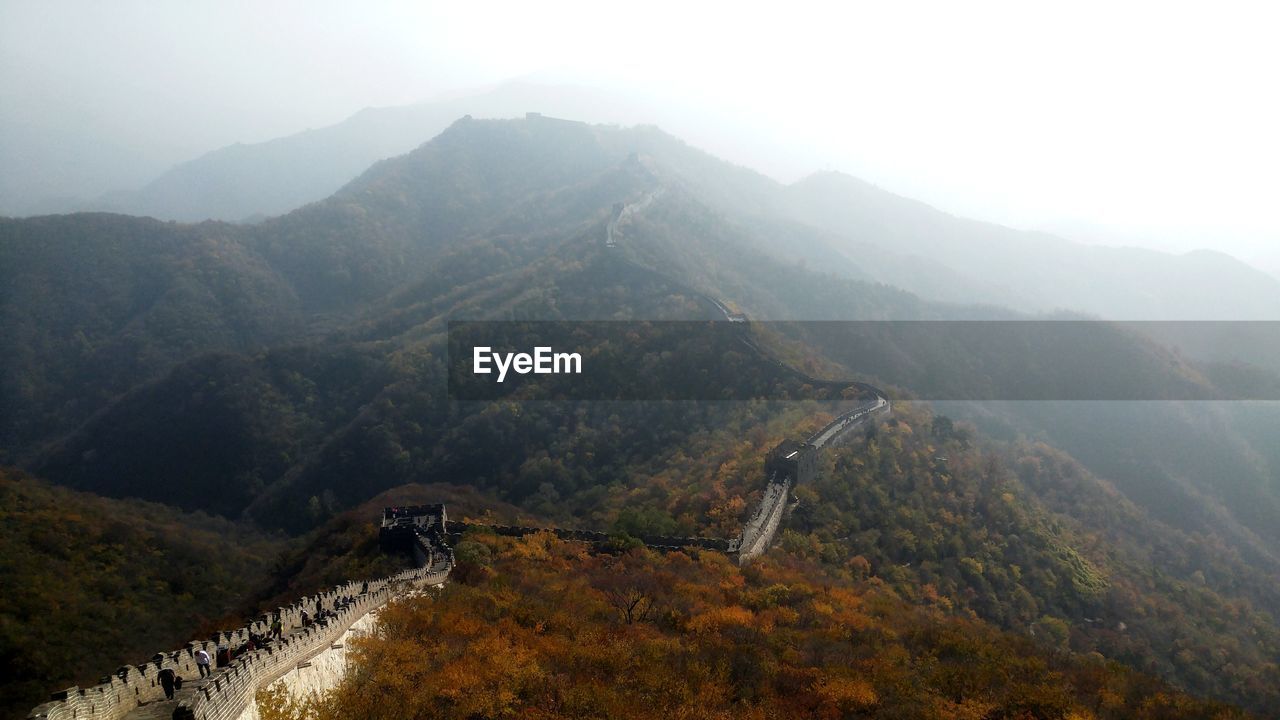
(226, 696)
(226, 693)
(758, 532)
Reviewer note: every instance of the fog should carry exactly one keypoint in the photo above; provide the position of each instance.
(1136, 123)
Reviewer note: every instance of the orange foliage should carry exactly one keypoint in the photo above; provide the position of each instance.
(546, 634)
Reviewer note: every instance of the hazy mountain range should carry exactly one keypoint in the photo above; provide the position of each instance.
(247, 181)
(283, 371)
(870, 233)
(492, 218)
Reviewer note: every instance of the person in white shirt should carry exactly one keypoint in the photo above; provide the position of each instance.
(202, 662)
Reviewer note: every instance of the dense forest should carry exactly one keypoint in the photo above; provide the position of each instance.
(1021, 535)
(235, 403)
(536, 627)
(92, 583)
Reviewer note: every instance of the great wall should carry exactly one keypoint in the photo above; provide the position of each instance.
(135, 691)
(311, 653)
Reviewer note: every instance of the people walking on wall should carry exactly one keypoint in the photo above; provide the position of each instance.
(306, 618)
(277, 628)
(202, 662)
(168, 680)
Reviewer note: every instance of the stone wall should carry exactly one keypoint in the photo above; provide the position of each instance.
(758, 533)
(226, 693)
(840, 428)
(322, 672)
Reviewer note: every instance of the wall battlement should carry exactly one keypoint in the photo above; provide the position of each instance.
(758, 533)
(226, 693)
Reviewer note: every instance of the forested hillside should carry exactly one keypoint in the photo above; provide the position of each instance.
(94, 305)
(542, 628)
(92, 583)
(1020, 534)
(285, 374)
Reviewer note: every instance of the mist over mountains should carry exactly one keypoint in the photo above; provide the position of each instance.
(504, 219)
(871, 234)
(910, 361)
(296, 364)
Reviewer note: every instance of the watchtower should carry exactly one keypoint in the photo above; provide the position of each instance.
(403, 523)
(791, 459)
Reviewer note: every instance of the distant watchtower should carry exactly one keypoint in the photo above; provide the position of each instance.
(791, 459)
(401, 525)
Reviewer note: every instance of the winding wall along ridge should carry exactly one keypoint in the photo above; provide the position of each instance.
(759, 531)
(226, 693)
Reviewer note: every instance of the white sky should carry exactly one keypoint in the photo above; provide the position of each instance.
(1156, 121)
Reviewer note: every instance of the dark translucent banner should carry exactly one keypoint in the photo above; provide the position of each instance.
(928, 360)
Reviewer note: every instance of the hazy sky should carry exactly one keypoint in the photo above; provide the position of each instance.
(1157, 120)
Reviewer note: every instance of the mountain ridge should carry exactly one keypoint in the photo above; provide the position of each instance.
(299, 416)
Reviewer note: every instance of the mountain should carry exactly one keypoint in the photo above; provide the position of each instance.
(56, 169)
(333, 314)
(256, 180)
(100, 303)
(298, 366)
(871, 234)
(497, 218)
(56, 165)
(1031, 271)
(95, 304)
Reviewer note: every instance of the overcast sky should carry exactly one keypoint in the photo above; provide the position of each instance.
(1151, 121)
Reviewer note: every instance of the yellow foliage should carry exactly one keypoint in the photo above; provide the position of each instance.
(545, 640)
(847, 693)
(716, 619)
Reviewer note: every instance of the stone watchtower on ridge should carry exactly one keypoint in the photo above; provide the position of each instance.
(791, 459)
